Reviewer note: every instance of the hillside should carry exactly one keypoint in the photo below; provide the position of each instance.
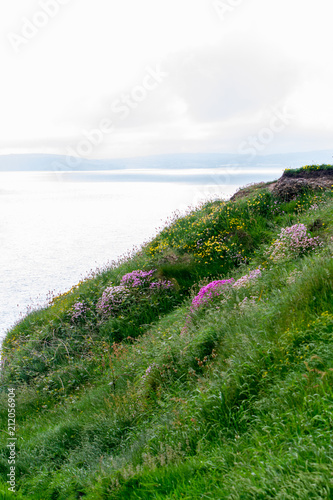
(199, 367)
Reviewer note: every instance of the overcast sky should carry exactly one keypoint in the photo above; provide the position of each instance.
(117, 78)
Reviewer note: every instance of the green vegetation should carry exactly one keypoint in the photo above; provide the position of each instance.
(124, 390)
(292, 172)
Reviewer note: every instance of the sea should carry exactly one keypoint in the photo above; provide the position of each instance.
(58, 227)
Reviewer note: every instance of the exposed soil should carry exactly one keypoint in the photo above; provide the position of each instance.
(287, 188)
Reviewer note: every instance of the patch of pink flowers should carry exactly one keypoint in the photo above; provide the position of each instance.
(245, 280)
(161, 285)
(112, 299)
(216, 288)
(144, 279)
(247, 302)
(137, 278)
(292, 241)
(213, 289)
(133, 286)
(78, 310)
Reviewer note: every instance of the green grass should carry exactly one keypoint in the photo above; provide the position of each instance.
(292, 172)
(238, 405)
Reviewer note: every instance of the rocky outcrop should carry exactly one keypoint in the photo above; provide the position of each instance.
(291, 185)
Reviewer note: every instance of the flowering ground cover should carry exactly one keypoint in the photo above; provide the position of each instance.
(213, 289)
(292, 242)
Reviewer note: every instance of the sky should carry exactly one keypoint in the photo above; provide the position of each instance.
(110, 78)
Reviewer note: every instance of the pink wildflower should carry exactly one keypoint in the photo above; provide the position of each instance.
(213, 289)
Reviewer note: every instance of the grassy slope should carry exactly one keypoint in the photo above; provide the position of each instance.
(291, 172)
(237, 406)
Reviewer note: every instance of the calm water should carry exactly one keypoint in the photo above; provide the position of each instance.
(55, 228)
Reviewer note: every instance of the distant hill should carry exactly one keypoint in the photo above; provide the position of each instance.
(47, 162)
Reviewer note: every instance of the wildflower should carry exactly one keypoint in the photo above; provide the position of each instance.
(161, 285)
(293, 276)
(245, 280)
(213, 289)
(143, 279)
(78, 310)
(112, 299)
(292, 241)
(149, 369)
(137, 278)
(133, 286)
(247, 302)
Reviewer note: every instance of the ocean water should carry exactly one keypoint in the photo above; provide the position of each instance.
(55, 228)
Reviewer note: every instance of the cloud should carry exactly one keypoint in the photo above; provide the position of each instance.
(219, 83)
(224, 76)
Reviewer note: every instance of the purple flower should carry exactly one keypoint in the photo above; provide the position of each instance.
(147, 372)
(137, 278)
(78, 310)
(292, 242)
(209, 291)
(161, 285)
(132, 286)
(112, 299)
(143, 279)
(244, 280)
